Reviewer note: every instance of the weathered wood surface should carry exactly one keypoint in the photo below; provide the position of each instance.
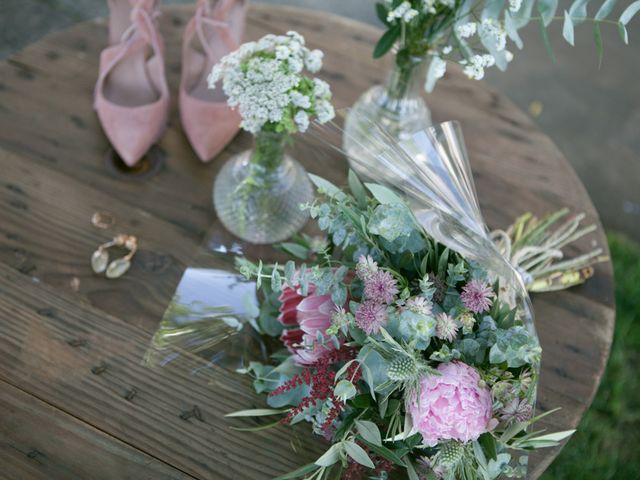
(52, 178)
(40, 441)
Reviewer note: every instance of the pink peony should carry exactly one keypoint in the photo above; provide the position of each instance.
(452, 405)
(311, 314)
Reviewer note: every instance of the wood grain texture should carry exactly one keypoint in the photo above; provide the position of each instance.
(51, 346)
(52, 178)
(46, 442)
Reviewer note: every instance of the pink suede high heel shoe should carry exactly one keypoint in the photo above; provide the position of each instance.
(131, 95)
(215, 30)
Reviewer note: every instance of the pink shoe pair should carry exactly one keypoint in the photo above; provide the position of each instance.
(132, 96)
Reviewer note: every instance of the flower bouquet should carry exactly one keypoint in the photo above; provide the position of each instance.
(409, 341)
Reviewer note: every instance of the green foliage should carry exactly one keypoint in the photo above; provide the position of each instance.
(516, 347)
(431, 30)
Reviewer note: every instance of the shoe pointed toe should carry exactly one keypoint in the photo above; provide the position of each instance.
(132, 131)
(209, 127)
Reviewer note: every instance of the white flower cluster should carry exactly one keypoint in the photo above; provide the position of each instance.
(407, 12)
(466, 30)
(403, 11)
(514, 5)
(488, 28)
(474, 68)
(264, 80)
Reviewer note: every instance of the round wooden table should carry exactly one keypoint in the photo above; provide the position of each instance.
(76, 401)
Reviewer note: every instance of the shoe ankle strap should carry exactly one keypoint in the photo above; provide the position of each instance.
(204, 19)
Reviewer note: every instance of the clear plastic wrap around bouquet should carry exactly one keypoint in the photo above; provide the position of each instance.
(406, 339)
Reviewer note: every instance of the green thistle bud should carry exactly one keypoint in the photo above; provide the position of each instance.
(450, 454)
(402, 368)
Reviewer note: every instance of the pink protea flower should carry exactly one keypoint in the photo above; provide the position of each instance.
(446, 328)
(380, 287)
(312, 314)
(477, 296)
(452, 405)
(371, 316)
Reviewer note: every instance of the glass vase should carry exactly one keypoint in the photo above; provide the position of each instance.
(397, 106)
(258, 193)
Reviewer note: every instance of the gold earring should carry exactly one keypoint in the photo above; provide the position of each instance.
(118, 267)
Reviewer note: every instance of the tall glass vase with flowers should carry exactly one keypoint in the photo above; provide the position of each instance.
(426, 35)
(258, 192)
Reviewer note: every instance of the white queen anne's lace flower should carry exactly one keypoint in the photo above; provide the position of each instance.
(514, 5)
(475, 66)
(302, 120)
(403, 11)
(466, 30)
(264, 80)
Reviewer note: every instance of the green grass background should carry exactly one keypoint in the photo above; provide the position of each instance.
(607, 443)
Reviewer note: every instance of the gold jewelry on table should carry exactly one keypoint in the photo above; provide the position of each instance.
(103, 220)
(118, 267)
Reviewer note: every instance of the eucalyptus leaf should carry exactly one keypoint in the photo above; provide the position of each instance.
(578, 11)
(567, 29)
(624, 35)
(276, 280)
(295, 249)
(523, 16)
(300, 472)
(512, 31)
(629, 12)
(289, 272)
(384, 195)
(547, 10)
(326, 187)
(369, 431)
(605, 9)
(358, 454)
(331, 456)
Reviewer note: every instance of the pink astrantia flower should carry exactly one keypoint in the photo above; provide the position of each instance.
(380, 287)
(307, 316)
(446, 328)
(477, 296)
(371, 316)
(452, 405)
(419, 305)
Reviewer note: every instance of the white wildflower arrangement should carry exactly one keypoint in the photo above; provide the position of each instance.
(265, 81)
(474, 33)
